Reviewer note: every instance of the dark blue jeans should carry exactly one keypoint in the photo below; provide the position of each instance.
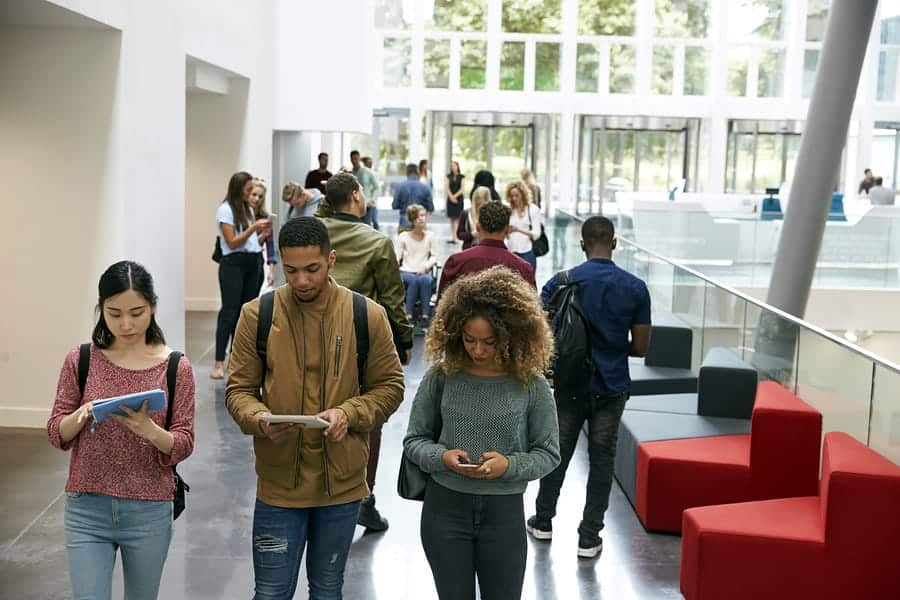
(418, 288)
(281, 534)
(467, 536)
(603, 414)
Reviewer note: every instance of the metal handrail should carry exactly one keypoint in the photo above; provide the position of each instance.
(759, 303)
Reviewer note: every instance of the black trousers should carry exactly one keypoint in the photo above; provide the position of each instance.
(240, 279)
(603, 414)
(465, 536)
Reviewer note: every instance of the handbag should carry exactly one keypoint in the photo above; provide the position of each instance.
(540, 246)
(412, 480)
(217, 251)
(181, 486)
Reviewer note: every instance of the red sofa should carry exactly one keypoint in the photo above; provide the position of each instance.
(778, 459)
(842, 544)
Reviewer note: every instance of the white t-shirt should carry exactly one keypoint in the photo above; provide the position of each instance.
(224, 214)
(531, 220)
(416, 255)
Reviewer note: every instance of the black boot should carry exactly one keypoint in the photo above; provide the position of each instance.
(369, 517)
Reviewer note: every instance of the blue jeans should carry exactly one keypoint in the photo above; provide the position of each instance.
(418, 287)
(603, 414)
(97, 525)
(530, 258)
(279, 538)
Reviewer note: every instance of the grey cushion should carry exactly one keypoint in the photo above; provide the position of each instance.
(726, 386)
(685, 404)
(671, 342)
(640, 426)
(660, 380)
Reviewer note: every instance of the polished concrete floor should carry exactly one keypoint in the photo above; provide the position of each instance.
(210, 551)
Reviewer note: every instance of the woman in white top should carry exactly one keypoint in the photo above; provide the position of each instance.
(524, 223)
(241, 267)
(416, 255)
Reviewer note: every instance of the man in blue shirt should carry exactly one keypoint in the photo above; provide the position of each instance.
(615, 304)
(412, 191)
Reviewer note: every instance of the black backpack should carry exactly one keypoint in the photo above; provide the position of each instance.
(360, 326)
(84, 365)
(571, 365)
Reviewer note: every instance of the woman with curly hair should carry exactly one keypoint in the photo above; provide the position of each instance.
(483, 425)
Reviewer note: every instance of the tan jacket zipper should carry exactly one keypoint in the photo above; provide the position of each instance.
(322, 404)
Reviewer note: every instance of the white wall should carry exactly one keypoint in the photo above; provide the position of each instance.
(95, 128)
(57, 144)
(324, 65)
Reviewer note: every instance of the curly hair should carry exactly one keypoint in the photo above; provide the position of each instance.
(523, 191)
(500, 296)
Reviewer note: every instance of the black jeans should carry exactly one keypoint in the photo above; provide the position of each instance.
(465, 535)
(240, 279)
(603, 414)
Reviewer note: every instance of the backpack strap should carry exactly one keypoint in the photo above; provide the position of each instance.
(438, 398)
(361, 327)
(84, 365)
(263, 324)
(171, 381)
(564, 277)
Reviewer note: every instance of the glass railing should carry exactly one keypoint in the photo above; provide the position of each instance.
(859, 250)
(856, 391)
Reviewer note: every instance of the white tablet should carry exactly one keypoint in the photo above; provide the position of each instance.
(311, 421)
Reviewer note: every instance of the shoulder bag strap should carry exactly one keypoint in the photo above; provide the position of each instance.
(84, 365)
(263, 324)
(171, 381)
(361, 327)
(438, 398)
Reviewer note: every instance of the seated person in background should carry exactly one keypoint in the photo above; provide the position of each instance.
(492, 226)
(416, 255)
(866, 184)
(880, 195)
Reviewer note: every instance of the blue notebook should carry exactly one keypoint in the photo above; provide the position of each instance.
(102, 409)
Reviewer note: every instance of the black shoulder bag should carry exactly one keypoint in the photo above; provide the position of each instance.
(181, 486)
(540, 246)
(412, 480)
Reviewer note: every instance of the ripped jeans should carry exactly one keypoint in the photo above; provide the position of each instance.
(279, 538)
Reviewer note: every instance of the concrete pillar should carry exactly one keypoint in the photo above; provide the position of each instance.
(818, 163)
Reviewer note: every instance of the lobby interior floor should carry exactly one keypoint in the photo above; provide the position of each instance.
(210, 553)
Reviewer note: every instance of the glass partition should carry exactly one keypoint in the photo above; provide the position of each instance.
(837, 382)
(884, 430)
(689, 304)
(724, 321)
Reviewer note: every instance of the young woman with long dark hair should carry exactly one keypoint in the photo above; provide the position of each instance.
(455, 199)
(121, 486)
(241, 267)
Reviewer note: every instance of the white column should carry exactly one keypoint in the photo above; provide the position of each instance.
(718, 120)
(864, 114)
(567, 165)
(645, 25)
(494, 29)
(569, 49)
(530, 49)
(455, 53)
(415, 134)
(818, 162)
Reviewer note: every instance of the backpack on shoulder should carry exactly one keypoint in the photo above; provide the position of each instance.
(181, 486)
(571, 360)
(360, 326)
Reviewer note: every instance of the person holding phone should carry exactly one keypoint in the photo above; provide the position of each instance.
(120, 487)
(489, 345)
(241, 267)
(257, 202)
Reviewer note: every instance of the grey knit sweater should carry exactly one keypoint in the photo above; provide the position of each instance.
(484, 414)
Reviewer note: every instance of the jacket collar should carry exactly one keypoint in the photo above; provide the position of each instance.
(492, 243)
(342, 216)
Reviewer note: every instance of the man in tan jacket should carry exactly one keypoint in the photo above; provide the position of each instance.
(310, 481)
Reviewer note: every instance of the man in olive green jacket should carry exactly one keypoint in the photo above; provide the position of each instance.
(366, 263)
(310, 481)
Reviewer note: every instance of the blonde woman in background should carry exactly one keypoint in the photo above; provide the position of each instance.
(257, 202)
(524, 223)
(466, 231)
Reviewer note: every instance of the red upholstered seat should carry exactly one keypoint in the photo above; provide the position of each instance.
(780, 458)
(843, 543)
